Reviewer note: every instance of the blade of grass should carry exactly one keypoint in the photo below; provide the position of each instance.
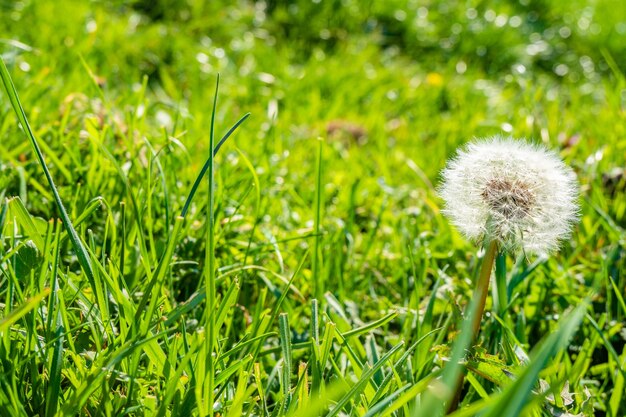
(370, 326)
(209, 163)
(154, 287)
(56, 365)
(285, 343)
(23, 217)
(318, 282)
(22, 310)
(209, 273)
(381, 405)
(81, 252)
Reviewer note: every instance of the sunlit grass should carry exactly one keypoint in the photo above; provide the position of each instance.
(337, 285)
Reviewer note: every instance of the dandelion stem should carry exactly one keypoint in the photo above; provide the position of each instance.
(482, 287)
(480, 298)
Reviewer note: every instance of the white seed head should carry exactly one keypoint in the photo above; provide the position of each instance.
(520, 194)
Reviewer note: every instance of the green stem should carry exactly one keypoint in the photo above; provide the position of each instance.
(318, 280)
(480, 298)
(501, 283)
(482, 287)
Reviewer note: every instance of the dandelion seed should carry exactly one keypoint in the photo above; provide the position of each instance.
(516, 193)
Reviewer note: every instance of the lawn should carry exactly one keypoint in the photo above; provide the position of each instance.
(307, 269)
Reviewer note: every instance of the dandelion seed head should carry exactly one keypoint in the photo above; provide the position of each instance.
(520, 194)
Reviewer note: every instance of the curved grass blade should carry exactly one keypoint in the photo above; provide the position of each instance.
(205, 168)
(21, 311)
(24, 218)
(370, 326)
(81, 252)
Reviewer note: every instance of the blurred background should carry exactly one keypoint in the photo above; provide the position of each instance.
(435, 57)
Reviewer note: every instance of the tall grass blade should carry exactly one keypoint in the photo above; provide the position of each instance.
(209, 272)
(285, 343)
(58, 333)
(318, 281)
(81, 252)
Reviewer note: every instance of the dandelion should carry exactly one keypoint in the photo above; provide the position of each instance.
(508, 194)
(519, 194)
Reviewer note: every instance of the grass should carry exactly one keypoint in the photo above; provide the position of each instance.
(314, 274)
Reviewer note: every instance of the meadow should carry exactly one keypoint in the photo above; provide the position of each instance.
(307, 269)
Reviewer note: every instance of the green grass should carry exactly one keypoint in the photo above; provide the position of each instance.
(311, 272)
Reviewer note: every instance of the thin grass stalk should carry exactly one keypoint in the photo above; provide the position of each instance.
(317, 279)
(285, 343)
(209, 271)
(55, 330)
